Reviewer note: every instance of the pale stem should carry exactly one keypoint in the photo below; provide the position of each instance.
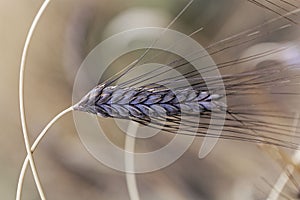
(33, 147)
(129, 161)
(283, 178)
(21, 98)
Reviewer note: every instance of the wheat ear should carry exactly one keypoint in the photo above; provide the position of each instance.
(21, 98)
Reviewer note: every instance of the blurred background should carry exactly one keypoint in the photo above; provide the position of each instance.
(67, 32)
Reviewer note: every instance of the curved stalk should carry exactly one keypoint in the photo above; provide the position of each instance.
(21, 98)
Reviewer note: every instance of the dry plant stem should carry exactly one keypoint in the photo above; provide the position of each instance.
(283, 178)
(21, 98)
(33, 147)
(129, 161)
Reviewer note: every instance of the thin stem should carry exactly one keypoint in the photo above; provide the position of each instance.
(21, 98)
(33, 147)
(283, 178)
(280, 183)
(129, 161)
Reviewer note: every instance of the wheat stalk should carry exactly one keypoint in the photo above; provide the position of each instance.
(138, 104)
(129, 161)
(283, 177)
(30, 149)
(33, 147)
(21, 99)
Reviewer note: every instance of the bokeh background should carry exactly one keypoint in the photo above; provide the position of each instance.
(68, 30)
